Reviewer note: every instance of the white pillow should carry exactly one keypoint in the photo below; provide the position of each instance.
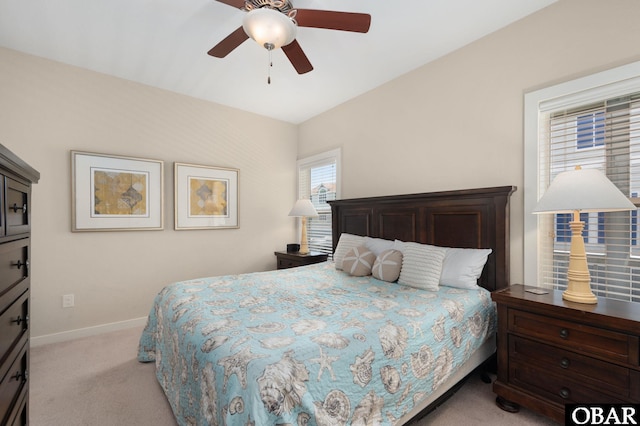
(378, 245)
(421, 265)
(358, 261)
(462, 267)
(398, 245)
(345, 243)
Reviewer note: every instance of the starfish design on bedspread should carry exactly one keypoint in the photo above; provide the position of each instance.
(325, 362)
(417, 328)
(237, 364)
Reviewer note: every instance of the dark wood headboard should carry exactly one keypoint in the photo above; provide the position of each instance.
(470, 218)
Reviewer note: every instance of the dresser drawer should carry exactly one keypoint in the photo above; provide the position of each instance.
(588, 340)
(590, 372)
(14, 263)
(17, 207)
(12, 383)
(560, 389)
(19, 416)
(14, 323)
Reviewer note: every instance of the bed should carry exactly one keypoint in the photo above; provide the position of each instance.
(316, 345)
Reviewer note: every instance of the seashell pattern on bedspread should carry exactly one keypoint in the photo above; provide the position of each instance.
(307, 346)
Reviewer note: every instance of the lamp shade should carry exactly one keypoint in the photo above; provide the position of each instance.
(269, 28)
(584, 190)
(304, 208)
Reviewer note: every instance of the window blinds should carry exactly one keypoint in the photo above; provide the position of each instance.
(604, 135)
(318, 182)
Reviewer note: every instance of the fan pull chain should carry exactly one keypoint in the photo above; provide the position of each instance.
(269, 67)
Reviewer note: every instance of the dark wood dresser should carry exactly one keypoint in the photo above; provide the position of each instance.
(552, 352)
(16, 178)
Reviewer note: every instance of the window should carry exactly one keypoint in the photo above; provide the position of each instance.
(593, 122)
(563, 232)
(319, 181)
(322, 194)
(590, 130)
(592, 221)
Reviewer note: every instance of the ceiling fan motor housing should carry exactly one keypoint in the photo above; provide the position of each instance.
(283, 6)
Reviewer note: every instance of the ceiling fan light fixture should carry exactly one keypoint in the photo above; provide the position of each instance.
(269, 28)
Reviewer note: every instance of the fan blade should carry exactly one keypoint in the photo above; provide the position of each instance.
(297, 57)
(332, 20)
(233, 3)
(227, 45)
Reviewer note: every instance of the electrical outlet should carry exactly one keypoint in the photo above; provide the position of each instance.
(68, 301)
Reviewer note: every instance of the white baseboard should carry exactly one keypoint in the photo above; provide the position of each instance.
(85, 332)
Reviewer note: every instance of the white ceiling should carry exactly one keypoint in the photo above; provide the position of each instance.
(164, 43)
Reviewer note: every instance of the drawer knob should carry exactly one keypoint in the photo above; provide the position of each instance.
(15, 208)
(19, 264)
(20, 376)
(564, 363)
(565, 393)
(20, 320)
(564, 333)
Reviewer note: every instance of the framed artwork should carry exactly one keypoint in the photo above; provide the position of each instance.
(205, 197)
(115, 193)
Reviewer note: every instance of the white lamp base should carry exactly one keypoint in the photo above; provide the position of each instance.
(579, 286)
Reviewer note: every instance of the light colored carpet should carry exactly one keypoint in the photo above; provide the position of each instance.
(97, 381)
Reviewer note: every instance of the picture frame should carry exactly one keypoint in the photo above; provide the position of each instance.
(206, 197)
(116, 193)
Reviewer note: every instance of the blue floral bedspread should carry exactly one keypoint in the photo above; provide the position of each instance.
(307, 346)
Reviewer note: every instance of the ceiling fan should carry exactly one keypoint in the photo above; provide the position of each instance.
(273, 24)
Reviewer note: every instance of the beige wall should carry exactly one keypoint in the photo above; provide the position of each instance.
(458, 122)
(47, 109)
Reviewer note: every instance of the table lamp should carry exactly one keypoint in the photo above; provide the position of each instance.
(303, 208)
(576, 191)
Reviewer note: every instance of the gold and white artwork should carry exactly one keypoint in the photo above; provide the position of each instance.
(119, 192)
(208, 197)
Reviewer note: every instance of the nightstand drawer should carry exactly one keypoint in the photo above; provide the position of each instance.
(557, 388)
(287, 263)
(293, 260)
(635, 385)
(578, 337)
(596, 374)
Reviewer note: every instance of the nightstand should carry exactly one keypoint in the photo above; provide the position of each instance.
(552, 352)
(292, 260)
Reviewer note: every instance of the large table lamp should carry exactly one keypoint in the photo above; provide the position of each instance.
(303, 208)
(576, 191)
